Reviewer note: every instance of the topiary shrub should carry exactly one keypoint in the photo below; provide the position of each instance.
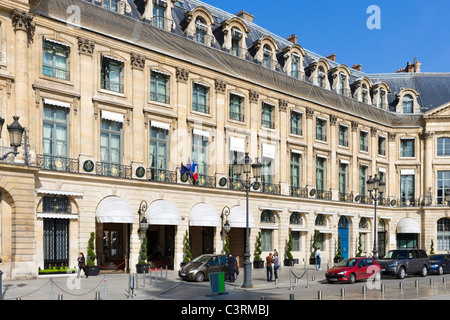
(90, 257)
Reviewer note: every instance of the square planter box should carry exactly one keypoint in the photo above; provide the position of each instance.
(258, 264)
(92, 270)
(142, 268)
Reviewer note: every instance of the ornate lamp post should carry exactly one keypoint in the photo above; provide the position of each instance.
(376, 188)
(15, 135)
(143, 224)
(225, 227)
(246, 169)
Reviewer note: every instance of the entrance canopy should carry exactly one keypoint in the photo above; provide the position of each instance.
(162, 212)
(114, 210)
(204, 215)
(408, 225)
(237, 218)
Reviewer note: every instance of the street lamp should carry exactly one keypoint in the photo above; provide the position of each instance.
(225, 227)
(238, 170)
(143, 224)
(15, 135)
(376, 188)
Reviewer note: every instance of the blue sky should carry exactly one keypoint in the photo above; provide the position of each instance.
(409, 29)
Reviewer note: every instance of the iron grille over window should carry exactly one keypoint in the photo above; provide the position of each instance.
(56, 204)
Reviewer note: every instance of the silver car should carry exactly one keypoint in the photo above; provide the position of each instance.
(401, 262)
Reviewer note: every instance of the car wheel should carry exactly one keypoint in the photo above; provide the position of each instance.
(440, 270)
(352, 278)
(199, 277)
(401, 273)
(424, 271)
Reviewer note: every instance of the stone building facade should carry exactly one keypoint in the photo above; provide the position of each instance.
(117, 96)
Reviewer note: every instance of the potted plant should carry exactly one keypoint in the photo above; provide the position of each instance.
(91, 268)
(338, 257)
(312, 259)
(258, 262)
(289, 260)
(359, 253)
(432, 247)
(142, 265)
(187, 256)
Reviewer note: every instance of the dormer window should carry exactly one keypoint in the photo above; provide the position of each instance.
(342, 84)
(321, 78)
(295, 65)
(158, 16)
(364, 94)
(382, 103)
(408, 104)
(112, 5)
(201, 31)
(267, 58)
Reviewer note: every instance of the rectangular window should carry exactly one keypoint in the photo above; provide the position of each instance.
(111, 142)
(342, 87)
(201, 31)
(382, 99)
(321, 80)
(407, 147)
(111, 75)
(296, 123)
(200, 98)
(158, 149)
(112, 5)
(267, 62)
(363, 180)
(443, 146)
(267, 171)
(295, 169)
(295, 62)
(381, 146)
(55, 61)
(56, 242)
(363, 141)
(321, 129)
(320, 174)
(364, 95)
(236, 107)
(55, 137)
(443, 186)
(235, 46)
(407, 190)
(343, 136)
(343, 171)
(159, 87)
(267, 116)
(200, 153)
(296, 245)
(266, 240)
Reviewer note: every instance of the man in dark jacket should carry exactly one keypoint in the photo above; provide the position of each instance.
(231, 264)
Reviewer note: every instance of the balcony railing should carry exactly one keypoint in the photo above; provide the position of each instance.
(346, 197)
(237, 116)
(161, 175)
(112, 85)
(55, 72)
(159, 97)
(270, 188)
(113, 170)
(235, 184)
(298, 192)
(204, 181)
(324, 195)
(57, 163)
(268, 124)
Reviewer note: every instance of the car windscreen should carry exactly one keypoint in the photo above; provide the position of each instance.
(439, 257)
(201, 259)
(347, 263)
(396, 254)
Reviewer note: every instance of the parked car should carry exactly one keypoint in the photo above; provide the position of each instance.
(352, 269)
(401, 262)
(439, 264)
(199, 268)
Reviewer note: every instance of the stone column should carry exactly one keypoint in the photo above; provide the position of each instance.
(309, 135)
(354, 165)
(182, 109)
(220, 138)
(284, 159)
(254, 117)
(334, 166)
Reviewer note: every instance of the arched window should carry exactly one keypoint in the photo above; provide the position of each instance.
(295, 218)
(267, 216)
(363, 223)
(267, 57)
(364, 94)
(201, 30)
(443, 234)
(321, 78)
(408, 104)
(320, 220)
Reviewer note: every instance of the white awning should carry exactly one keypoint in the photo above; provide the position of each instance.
(204, 215)
(301, 229)
(49, 215)
(60, 192)
(162, 212)
(112, 58)
(114, 210)
(52, 102)
(325, 230)
(58, 42)
(237, 144)
(160, 125)
(201, 133)
(237, 218)
(268, 151)
(108, 115)
(408, 225)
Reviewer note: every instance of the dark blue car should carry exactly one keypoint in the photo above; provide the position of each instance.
(439, 264)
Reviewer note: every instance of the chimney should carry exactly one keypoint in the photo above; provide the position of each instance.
(357, 67)
(417, 66)
(245, 15)
(332, 57)
(292, 38)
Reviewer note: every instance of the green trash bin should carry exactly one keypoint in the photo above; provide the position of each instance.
(217, 283)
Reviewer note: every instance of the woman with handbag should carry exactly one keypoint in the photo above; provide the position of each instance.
(81, 264)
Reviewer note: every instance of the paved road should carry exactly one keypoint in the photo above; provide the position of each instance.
(170, 287)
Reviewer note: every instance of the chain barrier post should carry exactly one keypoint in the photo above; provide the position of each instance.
(104, 284)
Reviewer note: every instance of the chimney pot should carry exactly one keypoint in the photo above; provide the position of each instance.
(292, 38)
(245, 15)
(357, 67)
(332, 57)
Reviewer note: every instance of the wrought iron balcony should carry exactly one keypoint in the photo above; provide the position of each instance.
(57, 163)
(113, 170)
(298, 192)
(204, 181)
(161, 175)
(346, 197)
(56, 72)
(235, 184)
(270, 188)
(324, 195)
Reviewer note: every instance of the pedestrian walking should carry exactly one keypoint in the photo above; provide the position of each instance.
(276, 263)
(81, 264)
(269, 266)
(318, 259)
(231, 266)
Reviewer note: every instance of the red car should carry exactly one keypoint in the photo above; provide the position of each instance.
(353, 269)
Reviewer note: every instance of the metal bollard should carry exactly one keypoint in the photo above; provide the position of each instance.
(319, 295)
(382, 287)
(291, 296)
(400, 285)
(417, 283)
(364, 290)
(97, 296)
(60, 297)
(263, 298)
(1, 285)
(342, 292)
(431, 282)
